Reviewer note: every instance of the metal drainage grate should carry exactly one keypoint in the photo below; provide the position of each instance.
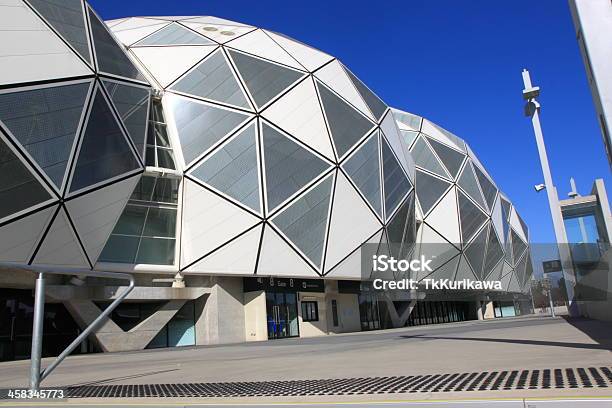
(566, 378)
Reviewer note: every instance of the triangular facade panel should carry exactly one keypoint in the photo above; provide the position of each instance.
(130, 36)
(363, 168)
(470, 216)
(424, 158)
(444, 217)
(476, 252)
(395, 182)
(45, 122)
(277, 258)
(391, 133)
(451, 158)
(213, 79)
(304, 221)
(264, 80)
(174, 34)
(24, 234)
(288, 166)
(467, 181)
(376, 105)
(308, 57)
(259, 43)
(429, 190)
(488, 188)
(104, 152)
(233, 168)
(60, 246)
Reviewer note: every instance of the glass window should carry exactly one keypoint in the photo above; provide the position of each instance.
(159, 150)
(334, 312)
(310, 311)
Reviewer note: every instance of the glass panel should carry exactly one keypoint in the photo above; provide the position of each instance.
(518, 246)
(66, 16)
(376, 105)
(200, 126)
(451, 158)
(264, 80)
(161, 136)
(475, 252)
(165, 159)
(399, 230)
(470, 216)
(104, 152)
(424, 158)
(488, 189)
(120, 248)
(132, 103)
(166, 191)
(151, 159)
(292, 316)
(408, 119)
(161, 222)
(408, 136)
(468, 183)
(181, 328)
(347, 125)
(110, 56)
(157, 112)
(396, 183)
(494, 252)
(363, 167)
(144, 189)
(45, 122)
(233, 169)
(429, 189)
(289, 166)
(213, 79)
(131, 221)
(20, 190)
(174, 34)
(304, 221)
(157, 251)
(582, 230)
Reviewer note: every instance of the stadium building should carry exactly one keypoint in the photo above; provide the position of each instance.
(236, 173)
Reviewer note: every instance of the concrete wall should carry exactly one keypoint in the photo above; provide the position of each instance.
(488, 310)
(255, 318)
(348, 313)
(221, 320)
(316, 328)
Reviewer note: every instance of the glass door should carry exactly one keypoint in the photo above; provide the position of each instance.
(281, 309)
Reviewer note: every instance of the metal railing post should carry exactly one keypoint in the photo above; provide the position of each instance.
(37, 331)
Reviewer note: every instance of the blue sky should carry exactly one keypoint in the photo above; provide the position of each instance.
(459, 64)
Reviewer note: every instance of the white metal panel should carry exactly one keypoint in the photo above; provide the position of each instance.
(335, 77)
(30, 51)
(309, 57)
(60, 246)
(208, 222)
(444, 218)
(18, 239)
(95, 214)
(129, 37)
(350, 267)
(352, 222)
(516, 225)
(464, 271)
(214, 20)
(112, 23)
(135, 22)
(478, 163)
(258, 43)
(513, 285)
(277, 258)
(389, 128)
(433, 246)
(236, 257)
(432, 131)
(166, 64)
(299, 113)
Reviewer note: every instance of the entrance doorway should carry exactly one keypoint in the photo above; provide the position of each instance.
(281, 310)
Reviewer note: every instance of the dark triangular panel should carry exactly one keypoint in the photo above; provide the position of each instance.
(506, 209)
(111, 58)
(132, 103)
(451, 158)
(424, 158)
(19, 189)
(524, 225)
(304, 221)
(528, 270)
(396, 184)
(475, 252)
(233, 169)
(213, 79)
(174, 34)
(263, 79)
(400, 229)
(376, 105)
(200, 126)
(518, 246)
(45, 122)
(363, 167)
(488, 189)
(470, 217)
(66, 16)
(346, 124)
(494, 253)
(105, 152)
(288, 166)
(429, 190)
(469, 184)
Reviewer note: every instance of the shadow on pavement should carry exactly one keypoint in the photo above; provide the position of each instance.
(598, 331)
(127, 377)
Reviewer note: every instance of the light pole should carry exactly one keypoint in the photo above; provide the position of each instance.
(532, 109)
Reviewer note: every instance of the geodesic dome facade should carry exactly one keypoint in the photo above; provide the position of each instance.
(206, 146)
(470, 223)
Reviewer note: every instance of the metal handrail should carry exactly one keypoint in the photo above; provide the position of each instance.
(36, 376)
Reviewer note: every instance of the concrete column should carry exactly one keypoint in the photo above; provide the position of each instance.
(222, 315)
(479, 311)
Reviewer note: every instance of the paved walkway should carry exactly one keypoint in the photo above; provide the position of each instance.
(503, 344)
